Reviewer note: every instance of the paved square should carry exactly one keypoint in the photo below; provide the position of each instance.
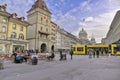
(80, 68)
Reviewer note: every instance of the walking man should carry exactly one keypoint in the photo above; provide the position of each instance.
(71, 53)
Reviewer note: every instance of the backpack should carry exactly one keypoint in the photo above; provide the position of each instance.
(18, 57)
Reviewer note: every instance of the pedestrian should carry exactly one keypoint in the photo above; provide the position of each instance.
(34, 59)
(106, 51)
(115, 52)
(94, 52)
(97, 53)
(101, 51)
(61, 56)
(109, 53)
(90, 52)
(71, 54)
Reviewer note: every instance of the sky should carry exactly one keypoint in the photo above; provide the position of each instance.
(95, 16)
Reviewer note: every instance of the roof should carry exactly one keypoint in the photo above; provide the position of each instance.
(82, 32)
(40, 4)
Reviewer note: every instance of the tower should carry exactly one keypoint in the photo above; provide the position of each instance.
(92, 41)
(39, 32)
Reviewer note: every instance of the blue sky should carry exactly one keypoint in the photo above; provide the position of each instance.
(69, 14)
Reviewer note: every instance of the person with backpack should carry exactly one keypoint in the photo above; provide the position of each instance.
(34, 59)
(18, 59)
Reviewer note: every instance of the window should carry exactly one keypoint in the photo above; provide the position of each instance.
(73, 48)
(21, 28)
(13, 35)
(4, 20)
(14, 26)
(79, 49)
(3, 37)
(21, 36)
(3, 29)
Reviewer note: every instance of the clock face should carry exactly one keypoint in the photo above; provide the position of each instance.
(44, 17)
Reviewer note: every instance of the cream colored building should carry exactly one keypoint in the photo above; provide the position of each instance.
(41, 33)
(113, 35)
(65, 40)
(53, 35)
(83, 36)
(12, 31)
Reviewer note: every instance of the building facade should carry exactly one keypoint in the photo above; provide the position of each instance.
(65, 40)
(114, 31)
(12, 31)
(83, 36)
(53, 35)
(41, 33)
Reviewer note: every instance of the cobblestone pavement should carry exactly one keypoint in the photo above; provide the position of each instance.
(80, 68)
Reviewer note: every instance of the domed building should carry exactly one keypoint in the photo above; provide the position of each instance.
(92, 41)
(83, 36)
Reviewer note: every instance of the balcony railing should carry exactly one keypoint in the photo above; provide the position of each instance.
(15, 39)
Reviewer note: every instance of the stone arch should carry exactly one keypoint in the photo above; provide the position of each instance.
(43, 48)
(52, 48)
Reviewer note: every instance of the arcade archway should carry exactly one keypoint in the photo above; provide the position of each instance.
(43, 48)
(52, 48)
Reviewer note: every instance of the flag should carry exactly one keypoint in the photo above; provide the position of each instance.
(83, 19)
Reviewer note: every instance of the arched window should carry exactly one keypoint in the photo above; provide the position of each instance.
(13, 35)
(21, 36)
(4, 29)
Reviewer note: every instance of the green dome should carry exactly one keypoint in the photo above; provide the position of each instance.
(82, 32)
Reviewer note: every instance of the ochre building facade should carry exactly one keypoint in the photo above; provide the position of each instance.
(12, 32)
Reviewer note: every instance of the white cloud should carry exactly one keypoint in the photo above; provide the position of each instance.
(97, 20)
(98, 26)
(88, 19)
(85, 5)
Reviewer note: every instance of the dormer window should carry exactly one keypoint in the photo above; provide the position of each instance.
(14, 15)
(22, 18)
(2, 9)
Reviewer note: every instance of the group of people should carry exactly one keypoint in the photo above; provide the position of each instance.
(32, 58)
(96, 52)
(50, 56)
(63, 55)
(19, 57)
